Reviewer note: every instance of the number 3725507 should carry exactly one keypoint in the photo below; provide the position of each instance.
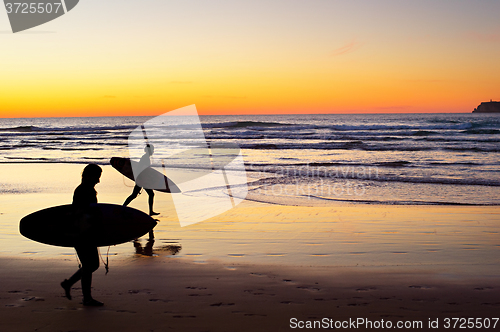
(470, 323)
(33, 8)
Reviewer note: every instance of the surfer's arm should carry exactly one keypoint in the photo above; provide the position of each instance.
(83, 199)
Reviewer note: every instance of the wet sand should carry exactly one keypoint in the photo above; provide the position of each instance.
(162, 295)
(253, 268)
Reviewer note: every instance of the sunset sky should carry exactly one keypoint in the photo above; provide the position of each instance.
(250, 57)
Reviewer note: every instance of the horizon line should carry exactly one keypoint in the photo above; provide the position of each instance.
(253, 114)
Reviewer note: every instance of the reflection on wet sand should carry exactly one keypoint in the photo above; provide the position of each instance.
(148, 250)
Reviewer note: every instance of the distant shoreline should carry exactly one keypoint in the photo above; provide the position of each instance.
(488, 107)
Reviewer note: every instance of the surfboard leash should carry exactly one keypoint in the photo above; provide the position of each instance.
(106, 264)
(126, 185)
(78, 260)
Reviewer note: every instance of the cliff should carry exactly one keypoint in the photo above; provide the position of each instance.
(488, 107)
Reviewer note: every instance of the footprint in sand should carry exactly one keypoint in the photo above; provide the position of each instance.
(310, 289)
(67, 308)
(358, 304)
(159, 300)
(366, 289)
(139, 291)
(419, 287)
(255, 274)
(199, 288)
(221, 304)
(259, 291)
(291, 302)
(33, 298)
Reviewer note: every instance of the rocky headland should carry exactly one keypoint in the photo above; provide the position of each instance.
(488, 107)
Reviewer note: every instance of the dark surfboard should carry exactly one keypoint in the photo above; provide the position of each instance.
(148, 179)
(99, 225)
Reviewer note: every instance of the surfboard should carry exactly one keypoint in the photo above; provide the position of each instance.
(148, 179)
(100, 225)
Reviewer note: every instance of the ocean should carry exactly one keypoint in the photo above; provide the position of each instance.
(304, 160)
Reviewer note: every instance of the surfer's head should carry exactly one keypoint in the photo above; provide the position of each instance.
(91, 174)
(149, 149)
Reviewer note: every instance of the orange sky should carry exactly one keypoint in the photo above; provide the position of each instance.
(260, 57)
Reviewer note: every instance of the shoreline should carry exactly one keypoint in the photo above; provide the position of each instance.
(266, 192)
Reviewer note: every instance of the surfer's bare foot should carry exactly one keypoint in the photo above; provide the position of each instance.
(67, 288)
(152, 213)
(92, 303)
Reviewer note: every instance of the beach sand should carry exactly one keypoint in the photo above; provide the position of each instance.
(253, 268)
(165, 295)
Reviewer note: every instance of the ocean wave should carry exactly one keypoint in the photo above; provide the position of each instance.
(481, 131)
(345, 127)
(435, 163)
(26, 145)
(69, 129)
(359, 172)
(21, 129)
(396, 202)
(400, 163)
(362, 146)
(80, 149)
(244, 124)
(28, 158)
(424, 133)
(459, 138)
(383, 136)
(373, 127)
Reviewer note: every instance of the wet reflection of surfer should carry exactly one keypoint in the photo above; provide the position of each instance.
(144, 163)
(147, 250)
(83, 196)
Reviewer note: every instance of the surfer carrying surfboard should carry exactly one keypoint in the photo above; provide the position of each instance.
(144, 163)
(84, 195)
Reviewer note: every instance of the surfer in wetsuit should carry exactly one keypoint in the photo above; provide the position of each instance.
(144, 163)
(84, 195)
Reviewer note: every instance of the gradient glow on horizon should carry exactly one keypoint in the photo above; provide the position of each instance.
(253, 57)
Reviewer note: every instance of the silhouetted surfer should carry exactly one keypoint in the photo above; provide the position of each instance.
(83, 196)
(144, 163)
